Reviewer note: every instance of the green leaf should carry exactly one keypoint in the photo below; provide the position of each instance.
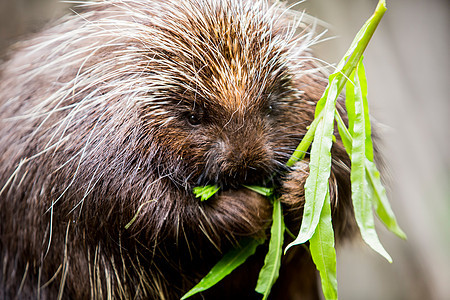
(375, 186)
(272, 263)
(346, 138)
(350, 102)
(362, 203)
(323, 253)
(380, 200)
(228, 263)
(260, 190)
(317, 181)
(300, 152)
(351, 58)
(205, 192)
(316, 185)
(363, 86)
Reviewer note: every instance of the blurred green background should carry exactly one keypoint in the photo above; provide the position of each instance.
(407, 65)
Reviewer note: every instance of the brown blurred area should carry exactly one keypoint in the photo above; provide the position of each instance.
(20, 18)
(407, 65)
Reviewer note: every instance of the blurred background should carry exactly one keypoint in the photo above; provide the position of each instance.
(407, 65)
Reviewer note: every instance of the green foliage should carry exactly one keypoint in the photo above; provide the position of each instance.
(228, 263)
(380, 200)
(358, 154)
(367, 189)
(272, 263)
(301, 149)
(316, 185)
(322, 250)
(260, 190)
(205, 192)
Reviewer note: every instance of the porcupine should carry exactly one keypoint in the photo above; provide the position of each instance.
(119, 112)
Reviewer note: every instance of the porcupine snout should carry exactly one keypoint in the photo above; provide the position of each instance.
(242, 154)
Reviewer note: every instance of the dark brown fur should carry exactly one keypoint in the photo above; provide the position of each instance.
(165, 97)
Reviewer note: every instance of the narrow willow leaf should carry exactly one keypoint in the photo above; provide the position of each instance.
(363, 86)
(272, 263)
(346, 138)
(323, 253)
(376, 189)
(351, 58)
(362, 204)
(300, 152)
(380, 200)
(228, 263)
(205, 192)
(265, 191)
(350, 102)
(316, 185)
(323, 100)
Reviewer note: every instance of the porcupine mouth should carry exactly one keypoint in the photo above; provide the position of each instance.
(249, 178)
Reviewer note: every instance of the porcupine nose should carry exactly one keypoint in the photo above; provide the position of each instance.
(247, 159)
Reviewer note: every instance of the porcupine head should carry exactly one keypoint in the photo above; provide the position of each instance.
(117, 113)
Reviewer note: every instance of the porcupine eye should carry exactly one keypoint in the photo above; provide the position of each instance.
(270, 105)
(193, 118)
(269, 110)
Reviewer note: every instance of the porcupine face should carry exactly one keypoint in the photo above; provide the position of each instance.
(229, 137)
(228, 115)
(136, 102)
